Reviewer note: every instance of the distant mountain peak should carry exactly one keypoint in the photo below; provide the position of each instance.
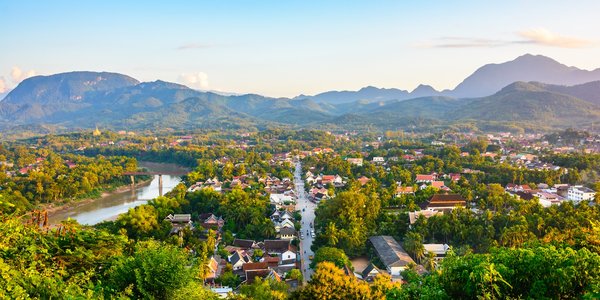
(491, 78)
(421, 88)
(521, 86)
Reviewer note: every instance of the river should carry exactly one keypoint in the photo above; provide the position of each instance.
(116, 203)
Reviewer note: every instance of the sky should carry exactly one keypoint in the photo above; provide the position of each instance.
(287, 48)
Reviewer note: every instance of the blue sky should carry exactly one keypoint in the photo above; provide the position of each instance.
(284, 48)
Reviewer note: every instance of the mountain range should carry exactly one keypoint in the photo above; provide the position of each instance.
(530, 92)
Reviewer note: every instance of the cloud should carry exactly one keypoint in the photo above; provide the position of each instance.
(19, 75)
(538, 36)
(541, 36)
(462, 42)
(197, 80)
(194, 46)
(3, 85)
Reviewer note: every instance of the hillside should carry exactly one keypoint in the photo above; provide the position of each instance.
(39, 97)
(524, 102)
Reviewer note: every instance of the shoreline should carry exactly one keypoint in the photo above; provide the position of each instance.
(53, 209)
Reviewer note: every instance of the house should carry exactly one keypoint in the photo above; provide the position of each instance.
(404, 190)
(179, 221)
(454, 176)
(440, 185)
(414, 215)
(255, 266)
(287, 233)
(280, 199)
(422, 178)
(265, 274)
(511, 187)
(363, 180)
(355, 161)
(369, 273)
(210, 221)
(272, 261)
(378, 159)
(580, 193)
(443, 202)
(214, 270)
(547, 198)
(244, 244)
(238, 259)
(286, 223)
(391, 254)
(283, 249)
(439, 250)
(333, 179)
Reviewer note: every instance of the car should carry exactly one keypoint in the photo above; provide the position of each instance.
(304, 209)
(302, 236)
(312, 234)
(311, 257)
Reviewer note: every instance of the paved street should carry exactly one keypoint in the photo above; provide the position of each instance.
(307, 209)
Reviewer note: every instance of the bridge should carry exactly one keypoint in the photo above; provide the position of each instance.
(160, 174)
(172, 173)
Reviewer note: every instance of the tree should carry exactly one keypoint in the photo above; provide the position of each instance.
(330, 282)
(265, 290)
(139, 221)
(330, 254)
(295, 274)
(430, 261)
(154, 270)
(382, 284)
(413, 244)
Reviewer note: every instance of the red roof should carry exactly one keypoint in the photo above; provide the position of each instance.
(437, 184)
(421, 177)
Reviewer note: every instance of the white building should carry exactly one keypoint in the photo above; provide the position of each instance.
(280, 198)
(548, 197)
(378, 159)
(579, 193)
(355, 161)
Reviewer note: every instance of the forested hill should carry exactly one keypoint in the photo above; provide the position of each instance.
(88, 99)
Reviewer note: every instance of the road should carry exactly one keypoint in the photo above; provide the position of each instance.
(307, 210)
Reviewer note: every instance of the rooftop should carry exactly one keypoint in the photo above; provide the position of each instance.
(390, 252)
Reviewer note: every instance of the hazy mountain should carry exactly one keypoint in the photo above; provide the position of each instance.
(485, 81)
(85, 99)
(588, 91)
(423, 91)
(525, 102)
(39, 97)
(369, 94)
(492, 77)
(532, 105)
(2, 95)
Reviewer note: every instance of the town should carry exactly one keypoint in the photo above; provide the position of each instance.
(278, 210)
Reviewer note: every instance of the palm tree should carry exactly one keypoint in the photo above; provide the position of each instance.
(413, 243)
(331, 234)
(430, 261)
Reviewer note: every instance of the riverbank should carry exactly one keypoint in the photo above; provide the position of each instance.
(52, 208)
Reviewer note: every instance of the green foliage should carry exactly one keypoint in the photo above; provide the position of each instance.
(154, 270)
(141, 221)
(265, 290)
(539, 272)
(347, 220)
(330, 254)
